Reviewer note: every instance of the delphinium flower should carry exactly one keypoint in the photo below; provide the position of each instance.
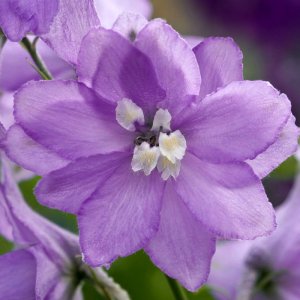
(267, 268)
(150, 154)
(46, 263)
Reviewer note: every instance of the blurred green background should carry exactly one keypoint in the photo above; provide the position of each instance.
(136, 273)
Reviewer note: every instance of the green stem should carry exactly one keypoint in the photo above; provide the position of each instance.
(98, 285)
(31, 49)
(176, 289)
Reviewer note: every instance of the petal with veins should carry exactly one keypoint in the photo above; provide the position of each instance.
(127, 113)
(172, 146)
(145, 158)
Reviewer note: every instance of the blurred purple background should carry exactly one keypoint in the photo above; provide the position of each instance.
(268, 32)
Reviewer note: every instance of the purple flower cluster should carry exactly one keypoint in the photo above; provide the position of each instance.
(267, 268)
(154, 146)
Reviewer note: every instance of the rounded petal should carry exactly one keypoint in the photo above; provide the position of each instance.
(109, 11)
(236, 123)
(31, 155)
(182, 247)
(69, 119)
(129, 25)
(67, 188)
(115, 69)
(71, 24)
(174, 62)
(121, 216)
(229, 199)
(284, 147)
(220, 61)
(18, 274)
(19, 17)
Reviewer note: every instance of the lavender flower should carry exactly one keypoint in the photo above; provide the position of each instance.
(46, 264)
(150, 154)
(265, 269)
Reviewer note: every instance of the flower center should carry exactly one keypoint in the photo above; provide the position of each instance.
(156, 147)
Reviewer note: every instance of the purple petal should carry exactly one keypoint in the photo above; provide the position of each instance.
(284, 146)
(193, 40)
(236, 123)
(6, 228)
(227, 269)
(6, 109)
(229, 199)
(29, 228)
(115, 69)
(129, 25)
(16, 68)
(174, 62)
(77, 181)
(109, 11)
(71, 24)
(69, 119)
(17, 273)
(19, 17)
(47, 273)
(220, 61)
(121, 216)
(182, 247)
(2, 133)
(31, 155)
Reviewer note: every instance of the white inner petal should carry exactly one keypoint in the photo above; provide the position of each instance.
(145, 158)
(167, 168)
(128, 113)
(172, 145)
(162, 119)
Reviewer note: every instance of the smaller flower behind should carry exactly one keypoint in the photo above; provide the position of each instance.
(46, 263)
(156, 147)
(267, 268)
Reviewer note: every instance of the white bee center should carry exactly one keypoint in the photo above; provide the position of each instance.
(128, 113)
(172, 145)
(167, 168)
(145, 158)
(162, 119)
(156, 147)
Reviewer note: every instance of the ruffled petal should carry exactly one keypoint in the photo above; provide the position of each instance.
(121, 216)
(236, 123)
(69, 119)
(182, 247)
(220, 61)
(110, 64)
(229, 199)
(284, 146)
(71, 24)
(174, 62)
(67, 188)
